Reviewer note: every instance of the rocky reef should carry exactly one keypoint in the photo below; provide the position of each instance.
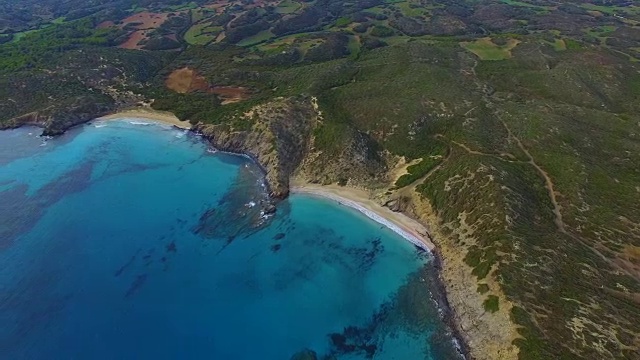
(281, 136)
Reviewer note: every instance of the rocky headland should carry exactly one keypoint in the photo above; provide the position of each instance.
(282, 139)
(281, 135)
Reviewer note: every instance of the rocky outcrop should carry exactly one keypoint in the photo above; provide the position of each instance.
(277, 138)
(485, 335)
(359, 161)
(81, 111)
(281, 138)
(56, 120)
(305, 355)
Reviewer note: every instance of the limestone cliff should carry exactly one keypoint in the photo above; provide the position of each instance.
(55, 120)
(281, 137)
(277, 138)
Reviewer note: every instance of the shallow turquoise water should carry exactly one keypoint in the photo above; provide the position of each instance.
(132, 241)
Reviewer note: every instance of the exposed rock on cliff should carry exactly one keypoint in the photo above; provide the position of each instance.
(281, 136)
(359, 161)
(55, 120)
(76, 88)
(278, 137)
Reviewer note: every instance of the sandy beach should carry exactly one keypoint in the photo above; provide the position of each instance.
(149, 114)
(406, 227)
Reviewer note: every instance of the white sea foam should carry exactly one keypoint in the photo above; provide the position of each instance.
(379, 219)
(139, 123)
(251, 204)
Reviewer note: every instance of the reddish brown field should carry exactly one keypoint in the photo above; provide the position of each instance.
(148, 20)
(133, 42)
(187, 80)
(106, 24)
(218, 6)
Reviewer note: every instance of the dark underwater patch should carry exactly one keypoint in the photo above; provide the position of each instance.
(414, 309)
(127, 264)
(21, 211)
(171, 247)
(136, 285)
(239, 213)
(276, 247)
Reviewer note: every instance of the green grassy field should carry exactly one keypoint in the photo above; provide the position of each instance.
(288, 7)
(527, 5)
(410, 9)
(257, 38)
(202, 33)
(485, 49)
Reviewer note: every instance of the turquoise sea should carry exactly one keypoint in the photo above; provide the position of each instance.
(131, 240)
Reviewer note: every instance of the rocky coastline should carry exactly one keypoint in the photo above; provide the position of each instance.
(281, 143)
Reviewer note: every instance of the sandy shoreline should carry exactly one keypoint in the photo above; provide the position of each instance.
(149, 114)
(359, 200)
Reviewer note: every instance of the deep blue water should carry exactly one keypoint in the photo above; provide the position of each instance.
(130, 241)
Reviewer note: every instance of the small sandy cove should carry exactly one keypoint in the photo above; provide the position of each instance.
(360, 200)
(149, 114)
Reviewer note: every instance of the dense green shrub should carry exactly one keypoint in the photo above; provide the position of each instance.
(382, 31)
(491, 304)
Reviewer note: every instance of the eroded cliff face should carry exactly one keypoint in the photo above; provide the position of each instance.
(281, 138)
(55, 120)
(359, 162)
(488, 336)
(278, 137)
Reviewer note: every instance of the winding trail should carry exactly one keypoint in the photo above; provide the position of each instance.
(548, 182)
(558, 220)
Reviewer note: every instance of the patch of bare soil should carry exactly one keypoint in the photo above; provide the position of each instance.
(218, 6)
(231, 94)
(186, 80)
(133, 42)
(146, 20)
(106, 24)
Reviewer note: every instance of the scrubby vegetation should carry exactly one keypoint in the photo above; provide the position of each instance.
(524, 115)
(492, 304)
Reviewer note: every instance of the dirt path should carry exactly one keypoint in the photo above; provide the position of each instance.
(558, 220)
(548, 182)
(549, 185)
(411, 188)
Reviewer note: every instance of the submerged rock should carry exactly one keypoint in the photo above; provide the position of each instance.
(270, 209)
(305, 354)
